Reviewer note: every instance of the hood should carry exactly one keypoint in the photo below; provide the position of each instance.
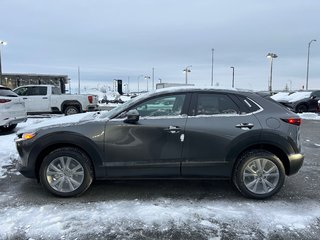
(60, 122)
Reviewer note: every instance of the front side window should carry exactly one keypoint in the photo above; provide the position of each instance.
(21, 91)
(213, 104)
(162, 106)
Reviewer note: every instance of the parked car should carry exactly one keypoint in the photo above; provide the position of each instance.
(193, 133)
(12, 109)
(48, 99)
(302, 101)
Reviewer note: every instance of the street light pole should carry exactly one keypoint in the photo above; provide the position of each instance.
(186, 70)
(212, 60)
(147, 77)
(139, 82)
(1, 43)
(271, 56)
(153, 78)
(232, 76)
(307, 80)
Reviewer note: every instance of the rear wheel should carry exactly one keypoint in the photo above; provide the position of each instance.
(66, 172)
(70, 110)
(259, 174)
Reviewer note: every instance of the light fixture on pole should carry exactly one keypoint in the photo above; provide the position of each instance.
(232, 76)
(1, 43)
(147, 77)
(187, 70)
(271, 56)
(307, 80)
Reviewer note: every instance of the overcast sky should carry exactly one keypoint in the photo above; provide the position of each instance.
(126, 38)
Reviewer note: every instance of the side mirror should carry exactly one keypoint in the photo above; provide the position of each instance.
(132, 116)
(313, 97)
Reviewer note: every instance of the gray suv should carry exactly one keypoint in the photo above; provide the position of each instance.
(171, 133)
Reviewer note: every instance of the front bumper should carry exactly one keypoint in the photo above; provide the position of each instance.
(296, 161)
(25, 170)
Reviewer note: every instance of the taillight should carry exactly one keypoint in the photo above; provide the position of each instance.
(90, 99)
(4, 100)
(294, 121)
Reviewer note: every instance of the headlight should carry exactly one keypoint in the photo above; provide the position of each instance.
(25, 136)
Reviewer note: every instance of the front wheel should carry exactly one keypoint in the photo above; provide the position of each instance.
(259, 174)
(66, 172)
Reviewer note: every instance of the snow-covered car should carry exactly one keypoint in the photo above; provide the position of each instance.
(171, 133)
(12, 109)
(49, 99)
(302, 101)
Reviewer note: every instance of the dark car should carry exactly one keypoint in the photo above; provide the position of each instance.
(171, 133)
(303, 101)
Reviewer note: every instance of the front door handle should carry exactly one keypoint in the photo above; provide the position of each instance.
(173, 129)
(245, 126)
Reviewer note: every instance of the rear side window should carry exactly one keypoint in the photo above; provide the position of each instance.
(36, 91)
(212, 104)
(7, 93)
(316, 94)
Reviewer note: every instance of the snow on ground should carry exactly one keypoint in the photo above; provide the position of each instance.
(120, 219)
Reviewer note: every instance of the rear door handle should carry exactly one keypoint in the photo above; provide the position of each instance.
(245, 126)
(173, 129)
(45, 98)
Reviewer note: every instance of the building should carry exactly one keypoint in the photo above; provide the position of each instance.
(13, 80)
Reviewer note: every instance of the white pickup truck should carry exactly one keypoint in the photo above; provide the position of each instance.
(48, 99)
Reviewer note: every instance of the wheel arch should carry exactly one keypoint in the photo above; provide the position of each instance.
(280, 153)
(52, 142)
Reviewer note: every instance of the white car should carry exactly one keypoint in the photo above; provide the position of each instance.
(12, 109)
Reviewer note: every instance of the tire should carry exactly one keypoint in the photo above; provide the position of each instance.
(252, 178)
(70, 110)
(66, 172)
(8, 128)
(301, 108)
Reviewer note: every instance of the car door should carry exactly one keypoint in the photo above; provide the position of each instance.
(217, 124)
(35, 98)
(152, 146)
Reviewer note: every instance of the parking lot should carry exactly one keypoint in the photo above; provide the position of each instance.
(163, 209)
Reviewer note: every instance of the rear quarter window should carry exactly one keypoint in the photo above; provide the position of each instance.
(248, 105)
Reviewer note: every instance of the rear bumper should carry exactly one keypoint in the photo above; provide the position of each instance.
(91, 108)
(296, 161)
(13, 120)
